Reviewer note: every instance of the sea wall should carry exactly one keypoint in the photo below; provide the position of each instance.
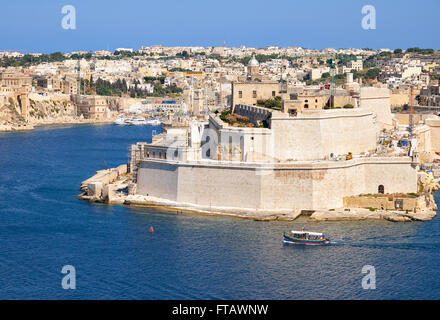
(298, 186)
(94, 186)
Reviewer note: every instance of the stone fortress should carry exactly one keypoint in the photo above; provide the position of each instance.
(310, 159)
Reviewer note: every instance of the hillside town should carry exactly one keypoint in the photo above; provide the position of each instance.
(193, 81)
(359, 127)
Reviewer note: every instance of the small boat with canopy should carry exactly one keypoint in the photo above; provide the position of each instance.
(305, 237)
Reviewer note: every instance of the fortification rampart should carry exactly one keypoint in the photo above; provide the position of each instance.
(268, 187)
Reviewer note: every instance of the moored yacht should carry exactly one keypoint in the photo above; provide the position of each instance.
(138, 121)
(154, 122)
(121, 121)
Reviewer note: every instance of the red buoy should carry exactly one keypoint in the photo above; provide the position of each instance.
(151, 229)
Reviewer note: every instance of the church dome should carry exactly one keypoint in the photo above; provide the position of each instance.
(253, 62)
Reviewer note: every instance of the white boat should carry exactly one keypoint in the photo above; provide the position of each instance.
(154, 122)
(138, 121)
(120, 121)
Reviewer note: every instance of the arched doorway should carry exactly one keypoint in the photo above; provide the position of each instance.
(381, 189)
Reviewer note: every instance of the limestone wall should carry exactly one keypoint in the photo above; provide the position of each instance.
(315, 136)
(384, 203)
(434, 125)
(306, 186)
(377, 100)
(250, 92)
(399, 99)
(159, 179)
(254, 113)
(403, 118)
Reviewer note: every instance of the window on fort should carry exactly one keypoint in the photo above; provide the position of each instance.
(306, 106)
(381, 189)
(208, 153)
(240, 94)
(273, 93)
(176, 153)
(254, 94)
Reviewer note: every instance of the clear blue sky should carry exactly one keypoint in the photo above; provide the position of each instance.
(35, 26)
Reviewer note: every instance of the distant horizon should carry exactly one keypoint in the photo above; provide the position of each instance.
(36, 27)
(208, 46)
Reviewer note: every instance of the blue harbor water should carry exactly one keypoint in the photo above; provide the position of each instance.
(43, 226)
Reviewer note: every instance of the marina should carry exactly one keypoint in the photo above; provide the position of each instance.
(137, 121)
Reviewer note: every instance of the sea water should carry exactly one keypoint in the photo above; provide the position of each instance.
(43, 227)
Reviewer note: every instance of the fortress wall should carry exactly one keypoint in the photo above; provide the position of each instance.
(339, 132)
(395, 177)
(399, 99)
(219, 186)
(377, 100)
(254, 113)
(158, 179)
(306, 186)
(333, 184)
(291, 189)
(434, 125)
(50, 98)
(312, 189)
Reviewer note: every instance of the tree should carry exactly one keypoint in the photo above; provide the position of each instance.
(102, 91)
(385, 54)
(420, 51)
(372, 73)
(274, 103)
(398, 51)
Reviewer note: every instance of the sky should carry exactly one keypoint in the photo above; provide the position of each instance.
(36, 26)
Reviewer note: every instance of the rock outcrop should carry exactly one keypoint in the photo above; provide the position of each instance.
(56, 109)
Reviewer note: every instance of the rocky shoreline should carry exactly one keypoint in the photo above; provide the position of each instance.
(359, 214)
(14, 128)
(32, 126)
